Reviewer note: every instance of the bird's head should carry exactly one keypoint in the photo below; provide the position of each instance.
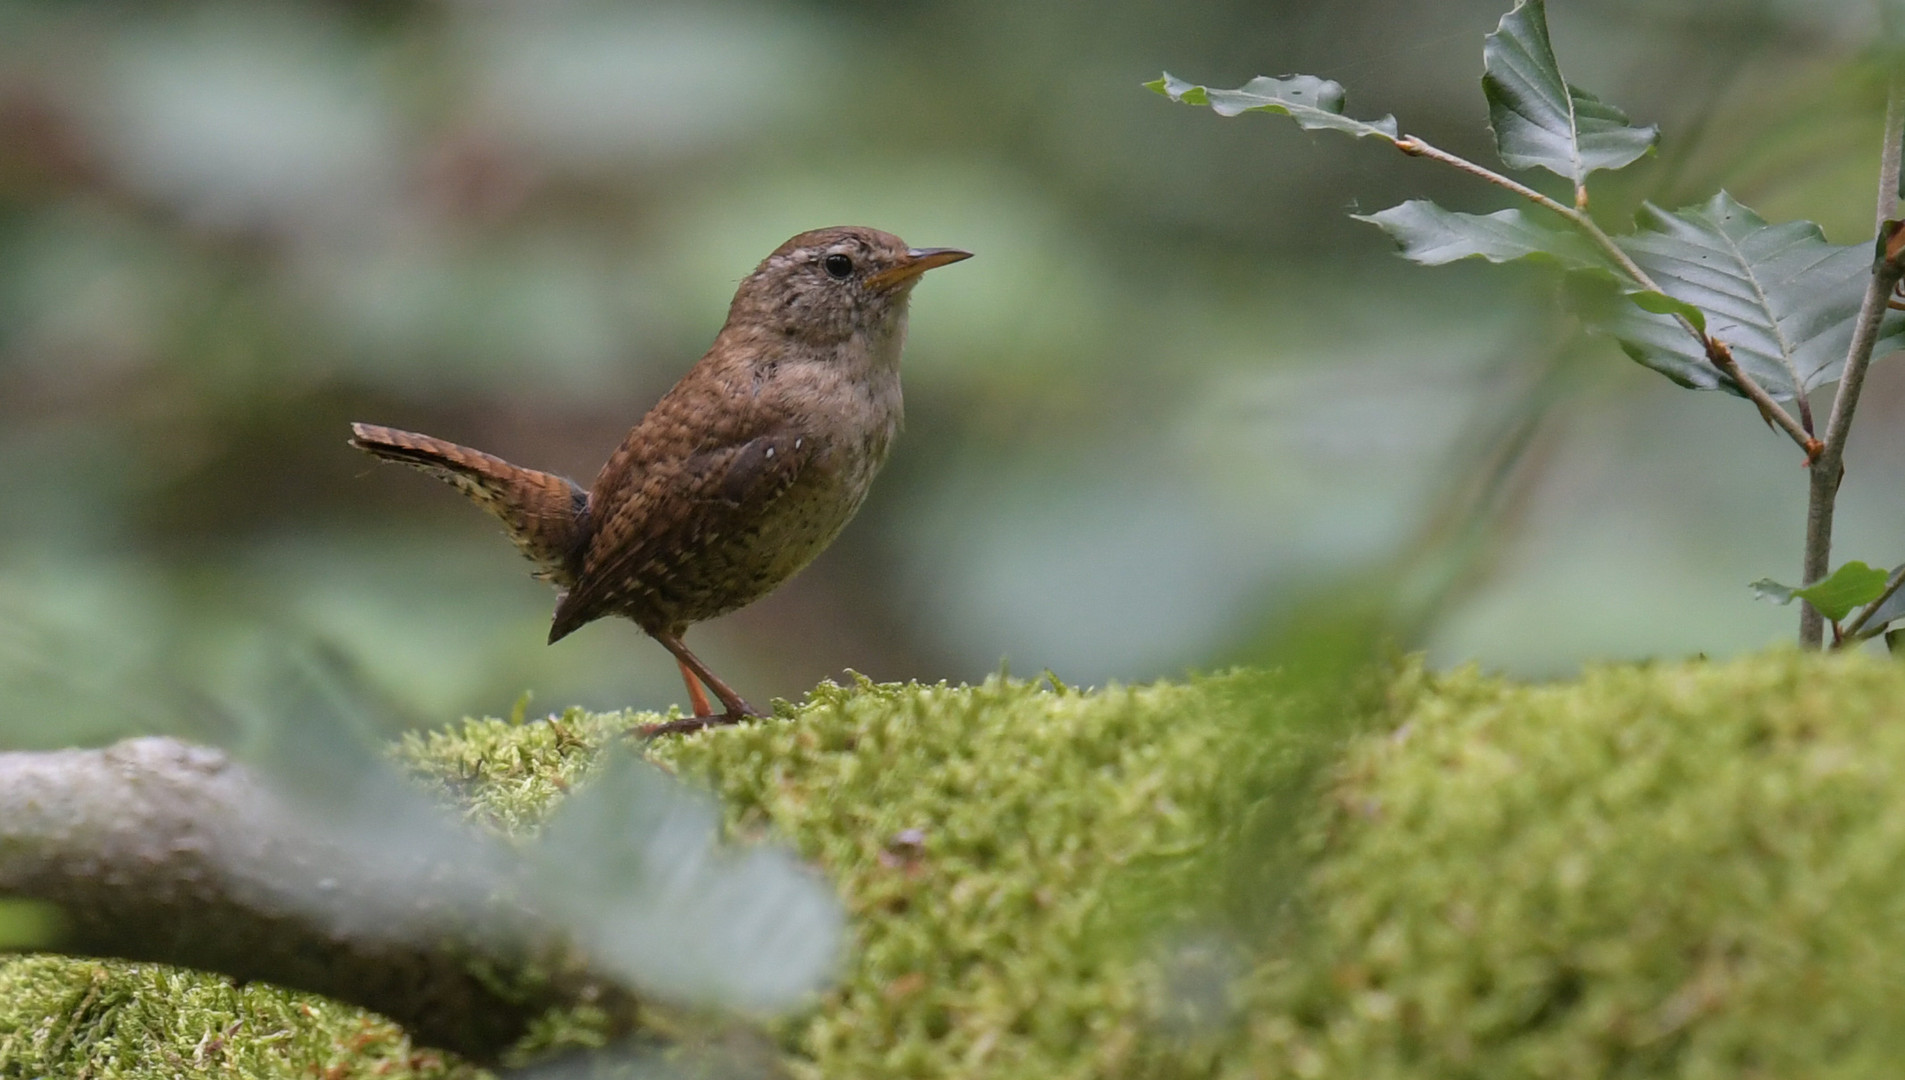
(826, 285)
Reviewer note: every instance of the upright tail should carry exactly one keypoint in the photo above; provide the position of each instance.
(546, 515)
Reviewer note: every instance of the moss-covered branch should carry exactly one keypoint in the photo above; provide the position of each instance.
(157, 850)
(1663, 870)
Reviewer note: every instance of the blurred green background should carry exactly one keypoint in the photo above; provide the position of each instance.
(1177, 391)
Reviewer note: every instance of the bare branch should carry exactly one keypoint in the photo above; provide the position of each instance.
(1721, 356)
(1828, 468)
(1415, 146)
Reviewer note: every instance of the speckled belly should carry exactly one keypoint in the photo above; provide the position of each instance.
(729, 572)
(794, 531)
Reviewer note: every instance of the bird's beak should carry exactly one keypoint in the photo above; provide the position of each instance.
(917, 262)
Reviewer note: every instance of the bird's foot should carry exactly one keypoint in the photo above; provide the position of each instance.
(689, 724)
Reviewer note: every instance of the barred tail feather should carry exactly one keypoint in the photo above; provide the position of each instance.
(545, 515)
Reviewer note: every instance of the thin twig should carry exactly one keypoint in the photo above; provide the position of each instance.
(1865, 613)
(1721, 356)
(1828, 468)
(1889, 159)
(1716, 350)
(1416, 146)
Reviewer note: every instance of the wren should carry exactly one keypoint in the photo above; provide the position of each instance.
(739, 476)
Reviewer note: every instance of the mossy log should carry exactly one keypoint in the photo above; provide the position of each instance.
(156, 850)
(1674, 870)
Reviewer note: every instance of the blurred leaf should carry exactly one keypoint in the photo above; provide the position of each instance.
(67, 685)
(1768, 589)
(630, 867)
(1539, 120)
(630, 861)
(1312, 102)
(1850, 586)
(1783, 298)
(629, 872)
(310, 737)
(1892, 608)
(1430, 235)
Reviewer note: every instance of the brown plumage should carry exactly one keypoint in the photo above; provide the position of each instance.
(546, 515)
(740, 475)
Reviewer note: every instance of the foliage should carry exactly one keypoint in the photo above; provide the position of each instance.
(1781, 297)
(1852, 585)
(1542, 121)
(1315, 104)
(1716, 297)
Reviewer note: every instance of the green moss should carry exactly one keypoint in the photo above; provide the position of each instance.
(1682, 870)
(85, 1020)
(1685, 870)
(973, 832)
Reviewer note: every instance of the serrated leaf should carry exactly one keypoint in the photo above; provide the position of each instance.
(1315, 104)
(1850, 586)
(1432, 236)
(1539, 120)
(1781, 297)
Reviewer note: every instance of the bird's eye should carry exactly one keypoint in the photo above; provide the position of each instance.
(839, 267)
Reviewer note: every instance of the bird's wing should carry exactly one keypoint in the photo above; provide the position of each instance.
(660, 510)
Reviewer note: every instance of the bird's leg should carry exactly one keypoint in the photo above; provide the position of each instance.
(737, 708)
(697, 697)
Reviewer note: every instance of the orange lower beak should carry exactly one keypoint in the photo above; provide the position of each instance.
(918, 261)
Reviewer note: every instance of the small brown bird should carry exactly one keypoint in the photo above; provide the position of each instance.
(740, 475)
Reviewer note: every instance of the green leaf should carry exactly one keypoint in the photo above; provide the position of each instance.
(1781, 297)
(1539, 120)
(1853, 585)
(1849, 587)
(1312, 102)
(1431, 235)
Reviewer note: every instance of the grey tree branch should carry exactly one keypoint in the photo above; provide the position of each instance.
(158, 850)
(1828, 467)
